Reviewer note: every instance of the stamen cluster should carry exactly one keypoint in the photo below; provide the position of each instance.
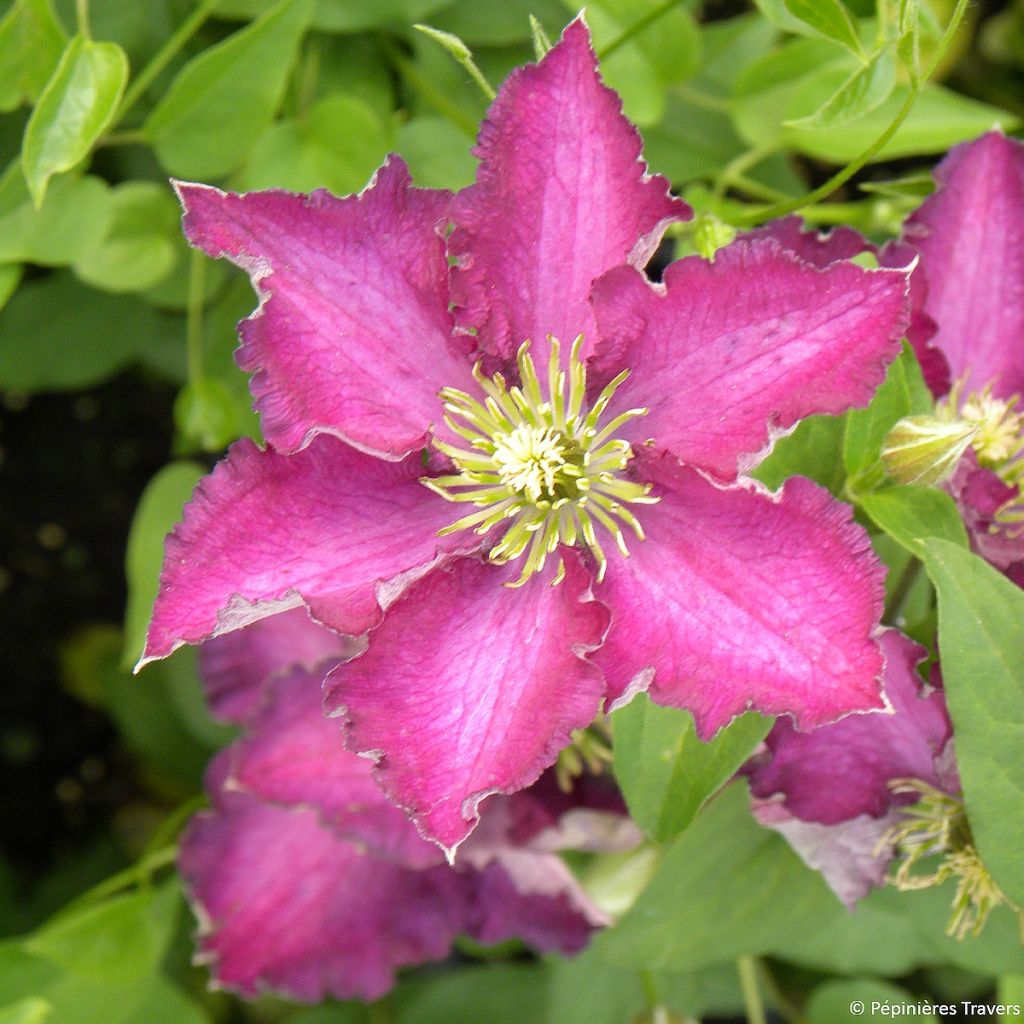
(541, 464)
(936, 827)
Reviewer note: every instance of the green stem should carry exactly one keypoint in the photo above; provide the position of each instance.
(746, 967)
(132, 138)
(757, 190)
(738, 165)
(430, 92)
(194, 317)
(840, 178)
(702, 99)
(82, 15)
(650, 986)
(139, 871)
(637, 27)
(902, 589)
(142, 81)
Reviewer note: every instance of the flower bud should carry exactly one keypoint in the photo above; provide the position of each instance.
(924, 449)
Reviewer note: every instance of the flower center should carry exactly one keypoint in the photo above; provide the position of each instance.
(999, 441)
(534, 460)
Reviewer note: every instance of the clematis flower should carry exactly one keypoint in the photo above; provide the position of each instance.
(969, 332)
(831, 792)
(519, 467)
(308, 882)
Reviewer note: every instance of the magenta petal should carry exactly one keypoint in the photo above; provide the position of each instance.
(470, 688)
(815, 247)
(843, 770)
(847, 855)
(235, 666)
(353, 333)
(295, 757)
(561, 197)
(725, 353)
(970, 234)
(741, 599)
(287, 905)
(328, 526)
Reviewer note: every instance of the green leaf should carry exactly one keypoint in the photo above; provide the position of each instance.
(74, 110)
(902, 393)
(938, 120)
(496, 993)
(343, 15)
(158, 510)
(864, 90)
(10, 278)
(436, 153)
(224, 99)
(666, 773)
(726, 887)
(338, 145)
(813, 450)
(829, 19)
(981, 639)
(506, 22)
(31, 43)
(27, 1011)
(206, 416)
(140, 247)
(57, 334)
(913, 515)
(850, 1000)
(73, 219)
(119, 940)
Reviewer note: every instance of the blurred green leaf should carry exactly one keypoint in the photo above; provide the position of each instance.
(344, 15)
(117, 941)
(671, 43)
(140, 247)
(665, 772)
(981, 637)
(10, 278)
(814, 450)
(504, 23)
(496, 993)
(913, 515)
(74, 110)
(337, 144)
(206, 415)
(224, 99)
(938, 120)
(835, 1001)
(865, 89)
(902, 393)
(57, 334)
(726, 887)
(159, 509)
(829, 18)
(73, 218)
(27, 1011)
(436, 152)
(31, 43)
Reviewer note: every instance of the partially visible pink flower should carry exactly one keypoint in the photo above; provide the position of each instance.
(306, 881)
(394, 387)
(969, 288)
(830, 792)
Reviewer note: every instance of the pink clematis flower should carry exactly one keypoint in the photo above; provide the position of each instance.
(306, 881)
(831, 792)
(969, 330)
(472, 401)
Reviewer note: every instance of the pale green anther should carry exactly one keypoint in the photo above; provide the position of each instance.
(534, 460)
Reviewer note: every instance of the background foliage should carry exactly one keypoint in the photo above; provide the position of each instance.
(119, 390)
